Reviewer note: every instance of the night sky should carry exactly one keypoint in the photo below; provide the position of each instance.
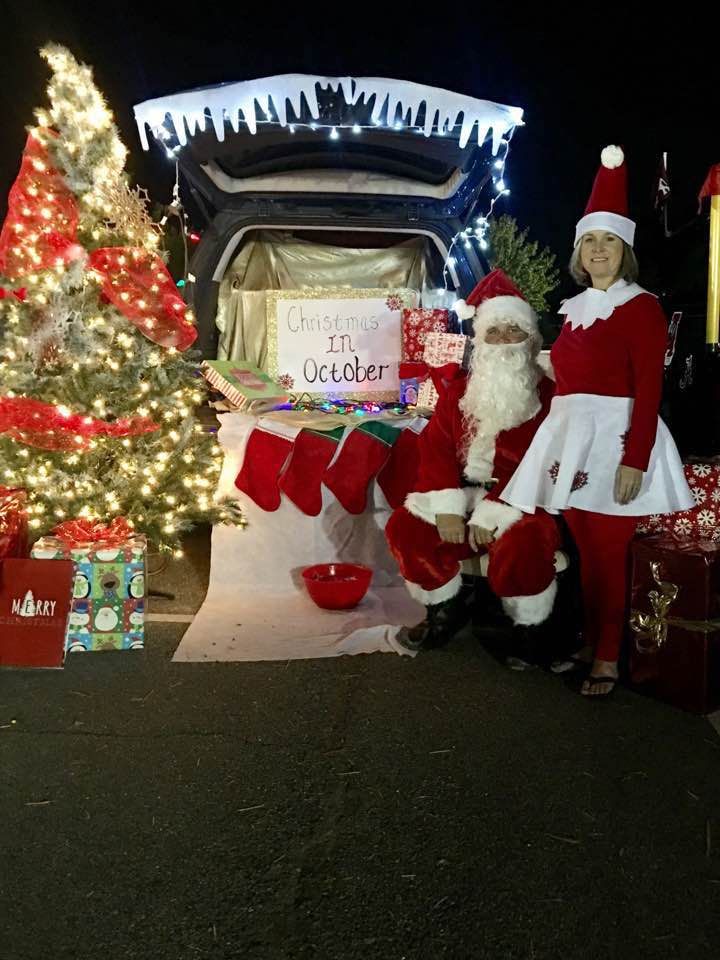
(583, 81)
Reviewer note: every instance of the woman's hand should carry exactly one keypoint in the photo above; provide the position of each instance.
(479, 537)
(628, 481)
(450, 527)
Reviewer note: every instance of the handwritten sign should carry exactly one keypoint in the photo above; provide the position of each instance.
(336, 342)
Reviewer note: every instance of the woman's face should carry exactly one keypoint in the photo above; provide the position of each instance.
(601, 254)
(505, 333)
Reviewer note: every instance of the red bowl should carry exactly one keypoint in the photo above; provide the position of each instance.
(337, 586)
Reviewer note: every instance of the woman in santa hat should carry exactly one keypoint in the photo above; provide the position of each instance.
(603, 456)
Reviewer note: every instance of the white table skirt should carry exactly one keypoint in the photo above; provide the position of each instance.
(257, 607)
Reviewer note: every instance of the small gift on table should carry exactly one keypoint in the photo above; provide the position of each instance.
(13, 523)
(441, 349)
(108, 610)
(675, 621)
(417, 323)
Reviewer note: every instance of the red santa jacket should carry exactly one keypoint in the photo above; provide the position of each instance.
(439, 486)
(622, 356)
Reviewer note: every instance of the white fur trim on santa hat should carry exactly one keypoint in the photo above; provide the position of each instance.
(463, 310)
(426, 506)
(612, 157)
(493, 515)
(615, 223)
(529, 611)
(506, 310)
(428, 597)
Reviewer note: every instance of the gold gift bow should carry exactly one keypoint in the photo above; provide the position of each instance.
(655, 625)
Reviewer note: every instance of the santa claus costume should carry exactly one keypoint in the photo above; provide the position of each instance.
(481, 428)
(608, 365)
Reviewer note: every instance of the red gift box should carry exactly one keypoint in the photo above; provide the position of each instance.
(35, 598)
(702, 522)
(675, 619)
(416, 324)
(13, 523)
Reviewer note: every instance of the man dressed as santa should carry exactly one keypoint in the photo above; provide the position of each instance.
(484, 422)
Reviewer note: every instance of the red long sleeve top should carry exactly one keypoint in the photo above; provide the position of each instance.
(622, 356)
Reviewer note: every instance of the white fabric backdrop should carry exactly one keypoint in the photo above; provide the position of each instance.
(257, 607)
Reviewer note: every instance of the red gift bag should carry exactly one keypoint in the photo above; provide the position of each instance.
(675, 619)
(35, 599)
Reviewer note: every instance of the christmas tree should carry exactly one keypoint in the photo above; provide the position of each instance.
(533, 269)
(97, 386)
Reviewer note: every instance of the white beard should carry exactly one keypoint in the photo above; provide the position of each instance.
(501, 394)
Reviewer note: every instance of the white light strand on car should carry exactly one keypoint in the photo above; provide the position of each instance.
(478, 233)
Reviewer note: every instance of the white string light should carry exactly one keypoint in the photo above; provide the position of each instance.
(478, 233)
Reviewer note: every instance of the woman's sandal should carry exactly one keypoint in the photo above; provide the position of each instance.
(593, 681)
(569, 665)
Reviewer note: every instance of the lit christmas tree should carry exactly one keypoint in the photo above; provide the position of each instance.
(97, 395)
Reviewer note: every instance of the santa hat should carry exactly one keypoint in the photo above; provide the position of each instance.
(607, 208)
(496, 299)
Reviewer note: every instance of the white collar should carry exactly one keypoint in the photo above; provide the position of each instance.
(592, 304)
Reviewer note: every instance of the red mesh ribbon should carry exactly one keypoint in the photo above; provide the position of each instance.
(139, 285)
(74, 532)
(43, 425)
(13, 522)
(40, 231)
(19, 294)
(41, 224)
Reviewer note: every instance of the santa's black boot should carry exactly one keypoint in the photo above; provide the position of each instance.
(442, 621)
(528, 647)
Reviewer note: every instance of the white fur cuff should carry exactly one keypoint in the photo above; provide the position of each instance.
(528, 611)
(427, 505)
(491, 514)
(428, 597)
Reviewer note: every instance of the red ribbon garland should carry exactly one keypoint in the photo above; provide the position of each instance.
(79, 531)
(40, 231)
(42, 425)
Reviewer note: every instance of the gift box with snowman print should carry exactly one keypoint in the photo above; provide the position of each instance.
(108, 610)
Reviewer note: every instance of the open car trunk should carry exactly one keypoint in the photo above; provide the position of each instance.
(313, 181)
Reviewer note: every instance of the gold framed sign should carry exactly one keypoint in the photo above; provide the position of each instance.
(337, 341)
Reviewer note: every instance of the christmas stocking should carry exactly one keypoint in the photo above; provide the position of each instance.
(267, 450)
(364, 453)
(397, 477)
(301, 481)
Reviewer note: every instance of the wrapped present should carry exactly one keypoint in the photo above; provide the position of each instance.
(13, 523)
(412, 375)
(440, 350)
(702, 522)
(416, 325)
(675, 621)
(108, 610)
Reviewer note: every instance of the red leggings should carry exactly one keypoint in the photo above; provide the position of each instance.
(603, 542)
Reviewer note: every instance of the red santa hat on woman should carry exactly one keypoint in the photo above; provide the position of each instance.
(496, 299)
(607, 208)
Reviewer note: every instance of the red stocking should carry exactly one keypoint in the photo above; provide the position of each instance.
(265, 455)
(362, 455)
(397, 477)
(301, 481)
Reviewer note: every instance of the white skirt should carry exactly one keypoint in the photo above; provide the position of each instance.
(575, 453)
